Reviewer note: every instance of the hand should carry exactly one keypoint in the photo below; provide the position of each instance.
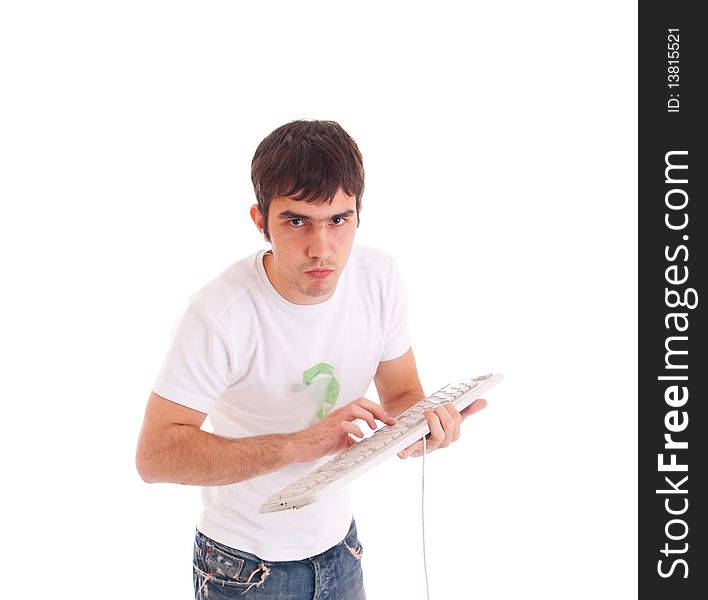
(444, 424)
(331, 435)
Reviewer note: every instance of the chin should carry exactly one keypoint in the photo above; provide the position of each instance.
(317, 292)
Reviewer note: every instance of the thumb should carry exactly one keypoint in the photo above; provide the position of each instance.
(476, 406)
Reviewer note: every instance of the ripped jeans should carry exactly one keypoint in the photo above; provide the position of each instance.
(222, 573)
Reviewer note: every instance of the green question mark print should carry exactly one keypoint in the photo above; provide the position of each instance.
(331, 391)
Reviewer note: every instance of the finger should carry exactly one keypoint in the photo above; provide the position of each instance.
(437, 433)
(476, 406)
(415, 449)
(351, 412)
(354, 412)
(369, 412)
(346, 441)
(447, 422)
(375, 409)
(351, 428)
(456, 419)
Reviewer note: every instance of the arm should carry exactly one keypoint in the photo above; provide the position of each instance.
(398, 386)
(397, 383)
(173, 448)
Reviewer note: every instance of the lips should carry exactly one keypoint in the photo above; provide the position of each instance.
(319, 273)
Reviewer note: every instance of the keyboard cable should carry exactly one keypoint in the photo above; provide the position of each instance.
(422, 510)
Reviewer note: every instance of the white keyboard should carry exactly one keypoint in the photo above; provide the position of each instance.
(410, 426)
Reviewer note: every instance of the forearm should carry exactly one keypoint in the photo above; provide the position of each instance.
(402, 402)
(191, 456)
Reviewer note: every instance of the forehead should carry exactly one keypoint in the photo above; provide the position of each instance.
(340, 203)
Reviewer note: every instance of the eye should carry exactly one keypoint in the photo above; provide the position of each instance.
(296, 222)
(339, 220)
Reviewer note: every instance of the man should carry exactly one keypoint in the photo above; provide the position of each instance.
(278, 351)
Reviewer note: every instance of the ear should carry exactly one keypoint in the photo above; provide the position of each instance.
(257, 217)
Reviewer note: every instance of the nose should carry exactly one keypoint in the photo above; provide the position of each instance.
(321, 242)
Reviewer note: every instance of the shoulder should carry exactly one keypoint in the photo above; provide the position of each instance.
(365, 259)
(375, 272)
(231, 288)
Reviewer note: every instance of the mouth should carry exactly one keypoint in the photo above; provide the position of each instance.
(319, 273)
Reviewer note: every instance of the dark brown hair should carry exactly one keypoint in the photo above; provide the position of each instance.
(307, 160)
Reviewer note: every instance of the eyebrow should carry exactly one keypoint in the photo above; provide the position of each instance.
(286, 215)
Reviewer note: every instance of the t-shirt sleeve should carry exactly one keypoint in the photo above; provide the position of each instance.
(397, 336)
(197, 368)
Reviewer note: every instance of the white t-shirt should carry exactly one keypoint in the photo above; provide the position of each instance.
(239, 353)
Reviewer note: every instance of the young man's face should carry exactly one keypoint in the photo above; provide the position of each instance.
(311, 244)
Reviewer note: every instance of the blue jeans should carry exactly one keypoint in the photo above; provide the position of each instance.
(222, 573)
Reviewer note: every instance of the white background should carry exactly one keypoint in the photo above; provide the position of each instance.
(499, 141)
